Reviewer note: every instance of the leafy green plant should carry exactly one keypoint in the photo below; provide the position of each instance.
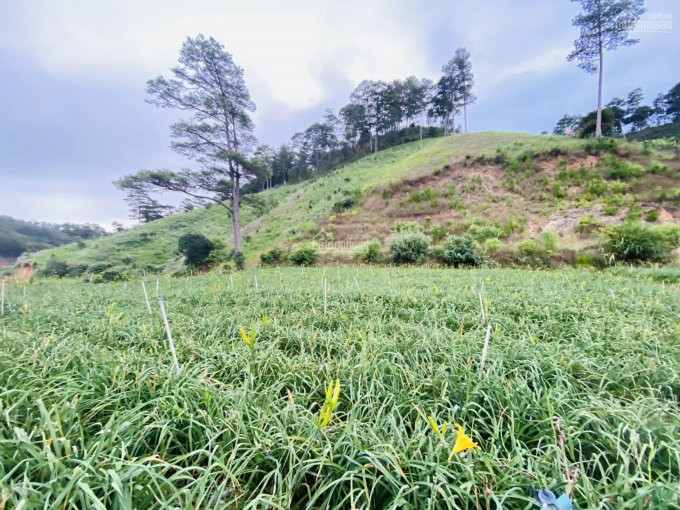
(637, 242)
(304, 254)
(528, 247)
(402, 226)
(610, 210)
(55, 267)
(437, 232)
(196, 248)
(370, 252)
(652, 215)
(408, 247)
(460, 250)
(492, 246)
(483, 232)
(272, 257)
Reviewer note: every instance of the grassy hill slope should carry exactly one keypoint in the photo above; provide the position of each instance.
(288, 214)
(671, 130)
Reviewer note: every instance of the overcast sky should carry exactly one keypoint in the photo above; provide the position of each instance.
(72, 76)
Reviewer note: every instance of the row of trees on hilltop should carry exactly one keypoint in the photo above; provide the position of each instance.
(218, 130)
(379, 114)
(629, 114)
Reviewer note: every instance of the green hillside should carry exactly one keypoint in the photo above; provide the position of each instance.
(495, 175)
(665, 131)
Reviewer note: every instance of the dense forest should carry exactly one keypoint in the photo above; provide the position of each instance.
(18, 236)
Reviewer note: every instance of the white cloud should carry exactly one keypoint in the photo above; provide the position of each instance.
(284, 47)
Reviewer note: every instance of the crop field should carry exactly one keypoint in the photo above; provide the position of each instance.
(346, 388)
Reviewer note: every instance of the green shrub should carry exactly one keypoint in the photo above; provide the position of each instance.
(437, 232)
(528, 247)
(599, 145)
(460, 250)
(491, 246)
(483, 232)
(652, 215)
(304, 254)
(343, 204)
(76, 269)
(634, 212)
(624, 170)
(670, 232)
(658, 168)
(548, 241)
(402, 226)
(618, 187)
(196, 248)
(597, 187)
(557, 191)
(408, 247)
(610, 210)
(110, 275)
(415, 196)
(369, 252)
(55, 267)
(272, 257)
(637, 242)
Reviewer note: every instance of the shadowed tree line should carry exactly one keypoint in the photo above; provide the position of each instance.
(625, 115)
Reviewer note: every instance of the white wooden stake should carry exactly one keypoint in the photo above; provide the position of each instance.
(158, 283)
(171, 344)
(485, 349)
(146, 298)
(357, 282)
(481, 306)
(325, 295)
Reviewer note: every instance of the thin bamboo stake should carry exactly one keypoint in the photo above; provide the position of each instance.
(485, 349)
(325, 295)
(146, 298)
(171, 344)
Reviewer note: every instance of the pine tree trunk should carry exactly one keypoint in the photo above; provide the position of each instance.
(598, 125)
(235, 199)
(465, 115)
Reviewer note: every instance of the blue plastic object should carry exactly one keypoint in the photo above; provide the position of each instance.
(546, 498)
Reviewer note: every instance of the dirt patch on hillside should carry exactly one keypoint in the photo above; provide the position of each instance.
(468, 192)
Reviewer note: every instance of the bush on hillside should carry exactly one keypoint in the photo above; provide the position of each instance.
(304, 255)
(402, 226)
(369, 252)
(196, 248)
(272, 257)
(483, 232)
(437, 232)
(409, 247)
(492, 246)
(636, 242)
(55, 267)
(460, 250)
